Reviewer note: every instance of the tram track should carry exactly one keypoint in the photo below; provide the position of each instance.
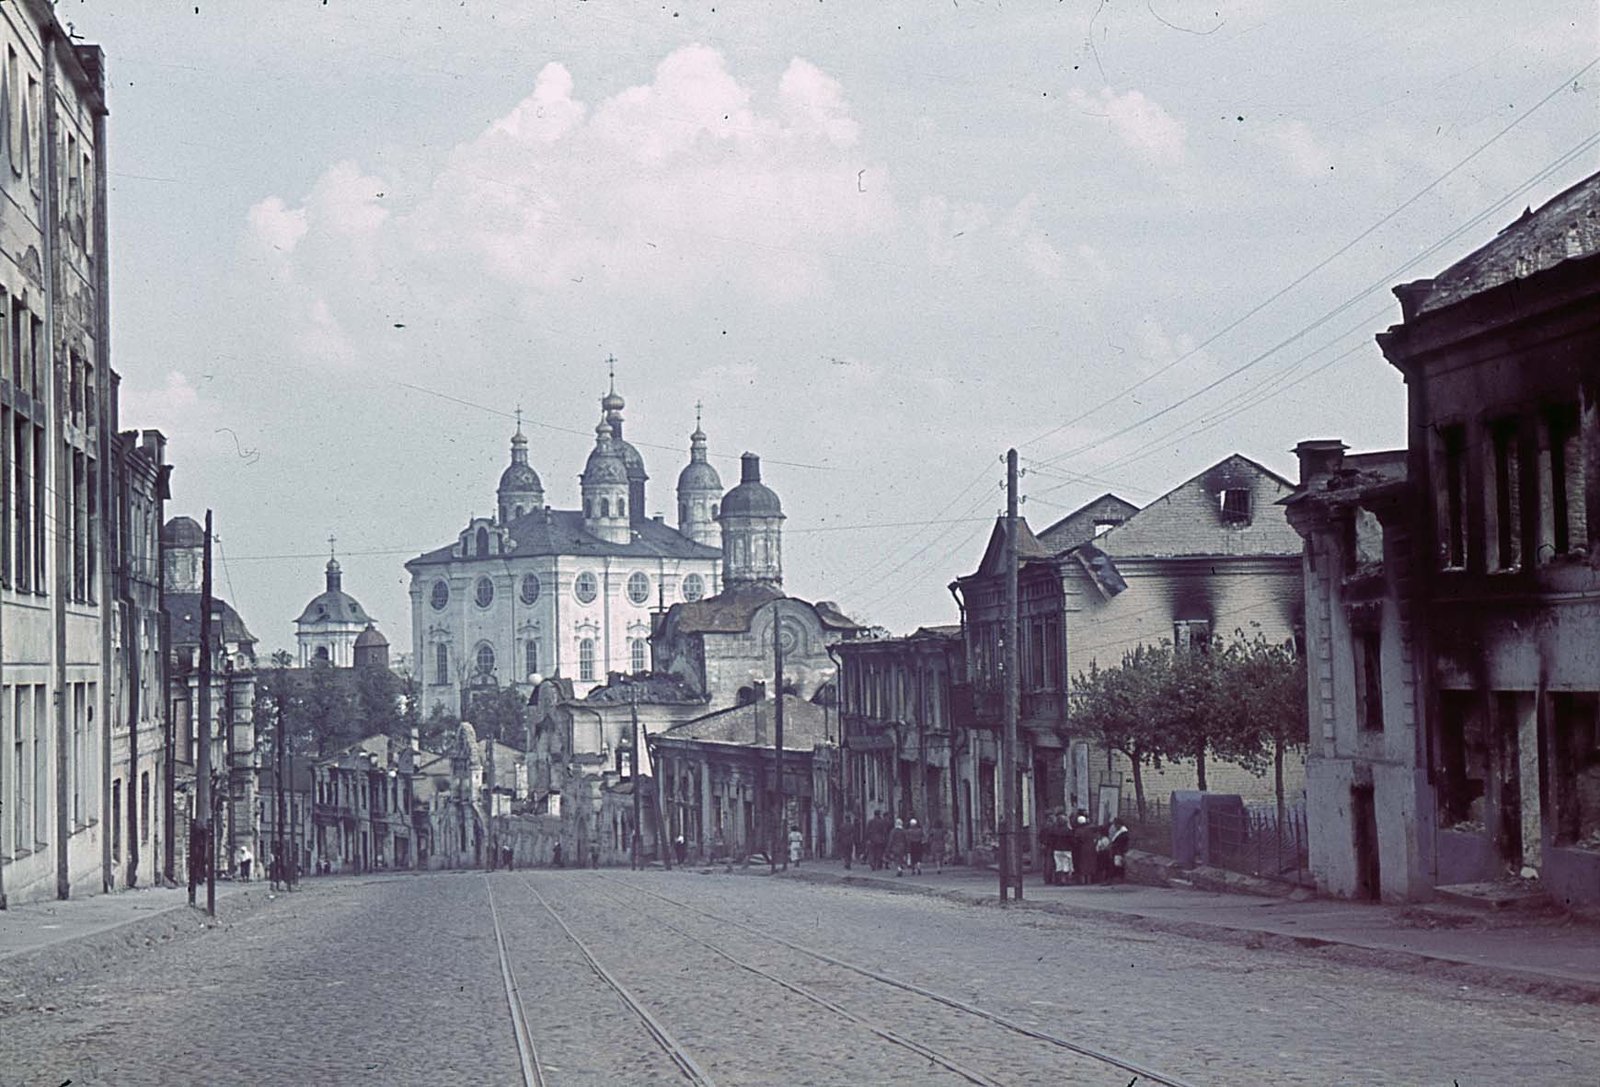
(1095, 1053)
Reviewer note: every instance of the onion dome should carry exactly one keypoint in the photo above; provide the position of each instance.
(698, 475)
(751, 498)
(605, 464)
(519, 474)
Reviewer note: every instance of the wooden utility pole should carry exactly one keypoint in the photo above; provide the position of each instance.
(777, 734)
(633, 771)
(1010, 843)
(662, 842)
(200, 847)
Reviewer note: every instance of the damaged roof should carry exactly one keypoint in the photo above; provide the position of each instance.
(805, 725)
(732, 611)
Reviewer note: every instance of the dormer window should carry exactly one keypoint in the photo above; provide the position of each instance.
(1103, 527)
(1234, 503)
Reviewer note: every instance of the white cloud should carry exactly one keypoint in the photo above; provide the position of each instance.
(275, 226)
(167, 407)
(1140, 123)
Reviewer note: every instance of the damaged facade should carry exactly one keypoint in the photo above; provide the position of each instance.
(1478, 639)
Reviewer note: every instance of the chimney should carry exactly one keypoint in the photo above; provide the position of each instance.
(1319, 457)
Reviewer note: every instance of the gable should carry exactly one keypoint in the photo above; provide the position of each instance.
(1082, 524)
(1230, 508)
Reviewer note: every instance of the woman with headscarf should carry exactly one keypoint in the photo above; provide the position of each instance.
(897, 848)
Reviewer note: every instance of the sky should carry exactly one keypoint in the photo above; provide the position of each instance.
(879, 243)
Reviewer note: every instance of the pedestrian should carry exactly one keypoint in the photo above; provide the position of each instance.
(508, 858)
(938, 843)
(719, 846)
(275, 869)
(877, 839)
(847, 840)
(796, 841)
(1102, 854)
(245, 860)
(680, 849)
(555, 854)
(897, 847)
(1082, 847)
(1121, 839)
(1058, 830)
(916, 845)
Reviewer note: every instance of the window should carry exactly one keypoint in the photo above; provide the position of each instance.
(588, 508)
(586, 588)
(638, 588)
(1453, 502)
(1368, 654)
(1575, 728)
(530, 589)
(530, 651)
(144, 806)
(441, 663)
(484, 659)
(622, 507)
(605, 507)
(322, 653)
(638, 655)
(1507, 467)
(1191, 634)
(1568, 528)
(439, 596)
(483, 592)
(586, 660)
(1235, 505)
(693, 588)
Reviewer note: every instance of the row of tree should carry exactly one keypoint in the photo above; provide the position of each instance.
(1242, 700)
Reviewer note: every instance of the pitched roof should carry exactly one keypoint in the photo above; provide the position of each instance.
(561, 532)
(729, 612)
(1079, 526)
(184, 608)
(1189, 520)
(805, 725)
(651, 687)
(1566, 228)
(1028, 547)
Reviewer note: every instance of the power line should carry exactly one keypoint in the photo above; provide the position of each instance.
(1314, 269)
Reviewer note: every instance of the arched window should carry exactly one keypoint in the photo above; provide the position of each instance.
(586, 588)
(516, 511)
(441, 663)
(715, 507)
(483, 543)
(693, 588)
(485, 659)
(322, 652)
(639, 658)
(483, 592)
(586, 660)
(530, 588)
(622, 507)
(683, 512)
(588, 508)
(440, 594)
(530, 651)
(638, 587)
(605, 507)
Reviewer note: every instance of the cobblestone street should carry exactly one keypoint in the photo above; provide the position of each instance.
(398, 980)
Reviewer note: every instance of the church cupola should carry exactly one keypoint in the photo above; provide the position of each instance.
(699, 492)
(520, 490)
(605, 489)
(611, 404)
(752, 531)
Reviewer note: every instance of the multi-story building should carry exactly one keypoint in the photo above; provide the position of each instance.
(55, 445)
(535, 591)
(362, 804)
(1455, 694)
(330, 624)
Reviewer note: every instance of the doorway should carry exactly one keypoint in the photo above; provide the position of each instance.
(1364, 812)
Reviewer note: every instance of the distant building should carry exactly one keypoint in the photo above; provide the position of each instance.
(328, 627)
(1455, 699)
(534, 591)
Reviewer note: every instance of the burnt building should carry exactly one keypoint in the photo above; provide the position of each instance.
(1483, 758)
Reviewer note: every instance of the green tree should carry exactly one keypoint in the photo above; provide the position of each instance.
(1121, 708)
(501, 715)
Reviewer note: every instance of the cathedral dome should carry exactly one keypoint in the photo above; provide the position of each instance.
(183, 532)
(631, 460)
(333, 604)
(520, 477)
(371, 638)
(751, 498)
(698, 475)
(605, 463)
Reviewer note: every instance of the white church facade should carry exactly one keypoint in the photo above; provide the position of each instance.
(537, 591)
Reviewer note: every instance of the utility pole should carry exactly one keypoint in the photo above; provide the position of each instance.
(1010, 853)
(200, 847)
(278, 865)
(777, 734)
(633, 769)
(655, 797)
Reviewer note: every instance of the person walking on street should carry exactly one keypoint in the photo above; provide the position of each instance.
(1120, 840)
(897, 847)
(1057, 842)
(847, 840)
(916, 845)
(938, 842)
(1082, 847)
(796, 842)
(877, 839)
(245, 860)
(680, 850)
(1102, 855)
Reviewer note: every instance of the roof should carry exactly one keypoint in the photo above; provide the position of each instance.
(561, 532)
(1360, 476)
(1028, 547)
(370, 637)
(184, 609)
(333, 606)
(651, 687)
(751, 498)
(805, 725)
(729, 612)
(1566, 227)
(183, 532)
(1080, 525)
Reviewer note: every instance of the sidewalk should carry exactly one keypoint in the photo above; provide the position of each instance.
(1539, 956)
(38, 925)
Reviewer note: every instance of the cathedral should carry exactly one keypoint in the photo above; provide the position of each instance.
(537, 591)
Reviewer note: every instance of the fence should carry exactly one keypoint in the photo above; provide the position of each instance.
(1254, 842)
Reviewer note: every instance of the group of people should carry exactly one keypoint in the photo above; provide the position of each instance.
(1082, 852)
(903, 843)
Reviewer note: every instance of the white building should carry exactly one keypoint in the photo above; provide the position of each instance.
(330, 624)
(552, 592)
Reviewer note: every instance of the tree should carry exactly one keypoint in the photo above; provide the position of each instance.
(500, 714)
(379, 703)
(1121, 708)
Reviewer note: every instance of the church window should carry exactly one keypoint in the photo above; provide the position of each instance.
(530, 588)
(588, 508)
(441, 663)
(605, 507)
(516, 511)
(322, 652)
(716, 510)
(483, 592)
(483, 543)
(530, 650)
(586, 660)
(638, 657)
(683, 512)
(440, 594)
(694, 587)
(586, 588)
(484, 659)
(638, 588)
(622, 507)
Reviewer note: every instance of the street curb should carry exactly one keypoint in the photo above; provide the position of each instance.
(26, 975)
(1527, 982)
